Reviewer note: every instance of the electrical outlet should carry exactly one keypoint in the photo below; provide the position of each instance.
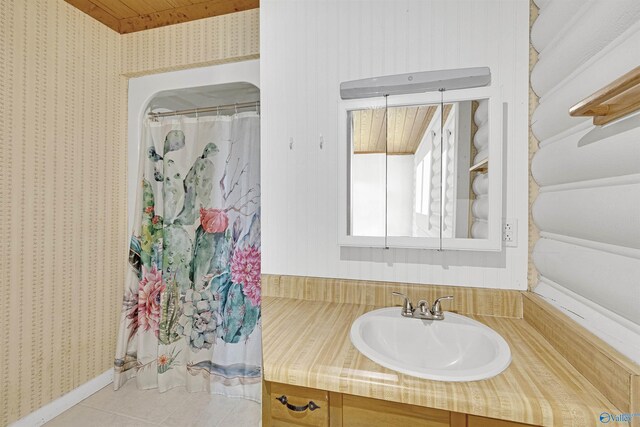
(510, 232)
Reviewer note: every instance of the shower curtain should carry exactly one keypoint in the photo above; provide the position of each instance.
(191, 308)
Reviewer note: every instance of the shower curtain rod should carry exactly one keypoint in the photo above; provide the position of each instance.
(206, 109)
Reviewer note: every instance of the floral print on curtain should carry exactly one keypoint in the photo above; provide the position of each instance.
(191, 309)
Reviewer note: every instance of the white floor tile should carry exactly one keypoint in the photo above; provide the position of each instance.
(149, 405)
(244, 413)
(84, 416)
(130, 407)
(216, 411)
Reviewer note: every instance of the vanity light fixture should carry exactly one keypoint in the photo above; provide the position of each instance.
(424, 81)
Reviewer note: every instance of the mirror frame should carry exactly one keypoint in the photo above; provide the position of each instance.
(496, 132)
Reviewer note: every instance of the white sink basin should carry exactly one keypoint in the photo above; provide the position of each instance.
(454, 349)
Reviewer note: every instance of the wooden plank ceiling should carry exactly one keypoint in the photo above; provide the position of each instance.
(406, 129)
(128, 16)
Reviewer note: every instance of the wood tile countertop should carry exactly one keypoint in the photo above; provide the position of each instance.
(306, 343)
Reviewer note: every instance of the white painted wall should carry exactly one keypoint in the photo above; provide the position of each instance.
(307, 49)
(588, 210)
(368, 196)
(400, 195)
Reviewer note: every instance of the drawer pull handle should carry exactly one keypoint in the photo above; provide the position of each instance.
(311, 405)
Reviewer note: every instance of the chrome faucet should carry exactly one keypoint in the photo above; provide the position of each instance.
(407, 307)
(424, 311)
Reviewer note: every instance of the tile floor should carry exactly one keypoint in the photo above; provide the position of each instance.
(130, 407)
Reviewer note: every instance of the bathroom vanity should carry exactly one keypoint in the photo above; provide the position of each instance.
(308, 357)
(338, 409)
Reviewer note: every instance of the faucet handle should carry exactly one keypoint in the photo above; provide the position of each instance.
(407, 307)
(436, 310)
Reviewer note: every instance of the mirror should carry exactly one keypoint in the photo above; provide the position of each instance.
(432, 183)
(418, 174)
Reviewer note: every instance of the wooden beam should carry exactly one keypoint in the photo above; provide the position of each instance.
(481, 166)
(185, 14)
(96, 12)
(617, 99)
(620, 106)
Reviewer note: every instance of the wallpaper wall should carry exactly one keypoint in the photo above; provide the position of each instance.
(63, 201)
(63, 98)
(227, 38)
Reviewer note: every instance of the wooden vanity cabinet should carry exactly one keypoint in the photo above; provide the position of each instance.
(315, 414)
(287, 406)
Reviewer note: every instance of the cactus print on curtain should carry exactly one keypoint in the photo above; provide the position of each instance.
(191, 309)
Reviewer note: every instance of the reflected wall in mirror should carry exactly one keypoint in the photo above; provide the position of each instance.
(368, 166)
(419, 170)
(383, 146)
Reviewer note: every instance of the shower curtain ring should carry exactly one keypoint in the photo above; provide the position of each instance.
(236, 107)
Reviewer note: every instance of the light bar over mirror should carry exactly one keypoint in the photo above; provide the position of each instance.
(424, 81)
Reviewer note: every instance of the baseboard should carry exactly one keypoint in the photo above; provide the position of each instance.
(61, 404)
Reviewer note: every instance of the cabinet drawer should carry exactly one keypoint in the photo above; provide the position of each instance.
(293, 411)
(366, 412)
